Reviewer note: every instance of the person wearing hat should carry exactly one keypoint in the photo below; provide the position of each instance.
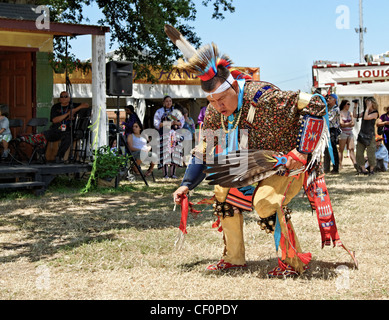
(254, 115)
(381, 156)
(383, 121)
(334, 118)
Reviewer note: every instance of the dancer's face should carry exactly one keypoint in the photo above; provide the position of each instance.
(225, 102)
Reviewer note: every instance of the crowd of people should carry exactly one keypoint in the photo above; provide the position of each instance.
(367, 149)
(166, 120)
(62, 117)
(370, 154)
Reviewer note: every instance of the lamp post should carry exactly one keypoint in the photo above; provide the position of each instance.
(361, 30)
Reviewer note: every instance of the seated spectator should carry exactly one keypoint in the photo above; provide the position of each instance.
(137, 143)
(5, 133)
(61, 123)
(113, 146)
(381, 154)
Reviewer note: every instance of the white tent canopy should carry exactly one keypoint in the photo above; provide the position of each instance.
(353, 79)
(364, 90)
(139, 91)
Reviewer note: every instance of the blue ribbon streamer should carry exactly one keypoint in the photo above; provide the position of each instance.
(232, 139)
(277, 233)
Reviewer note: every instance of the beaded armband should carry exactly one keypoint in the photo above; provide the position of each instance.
(309, 134)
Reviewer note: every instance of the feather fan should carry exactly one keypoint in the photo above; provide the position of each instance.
(242, 168)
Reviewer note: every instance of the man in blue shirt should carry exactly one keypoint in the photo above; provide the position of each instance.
(381, 155)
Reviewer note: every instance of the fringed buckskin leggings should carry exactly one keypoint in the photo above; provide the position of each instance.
(270, 195)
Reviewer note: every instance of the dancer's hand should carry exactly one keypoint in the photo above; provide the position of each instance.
(296, 160)
(178, 193)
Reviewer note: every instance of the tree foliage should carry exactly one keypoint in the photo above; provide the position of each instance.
(138, 25)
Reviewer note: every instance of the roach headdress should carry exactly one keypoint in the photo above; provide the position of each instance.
(206, 61)
(202, 62)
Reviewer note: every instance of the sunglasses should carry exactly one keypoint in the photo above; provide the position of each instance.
(64, 96)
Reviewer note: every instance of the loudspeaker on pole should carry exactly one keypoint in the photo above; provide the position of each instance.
(119, 78)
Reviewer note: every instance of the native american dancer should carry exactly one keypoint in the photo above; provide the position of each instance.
(272, 144)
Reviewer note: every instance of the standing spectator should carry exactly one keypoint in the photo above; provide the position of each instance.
(200, 118)
(190, 126)
(167, 113)
(347, 136)
(131, 118)
(168, 116)
(366, 136)
(5, 133)
(383, 121)
(189, 123)
(334, 118)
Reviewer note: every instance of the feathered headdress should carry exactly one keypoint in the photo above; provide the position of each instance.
(203, 62)
(206, 61)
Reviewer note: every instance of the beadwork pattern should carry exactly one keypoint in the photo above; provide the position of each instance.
(277, 118)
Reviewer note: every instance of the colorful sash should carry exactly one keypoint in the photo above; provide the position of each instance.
(320, 202)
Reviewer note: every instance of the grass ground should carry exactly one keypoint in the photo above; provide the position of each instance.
(119, 244)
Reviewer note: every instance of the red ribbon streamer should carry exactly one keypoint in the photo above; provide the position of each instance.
(185, 205)
(184, 213)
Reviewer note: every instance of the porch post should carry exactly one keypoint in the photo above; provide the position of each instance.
(99, 89)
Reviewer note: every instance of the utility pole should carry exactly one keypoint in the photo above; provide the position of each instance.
(361, 30)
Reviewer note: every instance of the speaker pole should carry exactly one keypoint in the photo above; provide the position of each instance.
(119, 83)
(69, 89)
(117, 136)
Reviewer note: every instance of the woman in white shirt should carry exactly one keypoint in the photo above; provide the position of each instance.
(139, 148)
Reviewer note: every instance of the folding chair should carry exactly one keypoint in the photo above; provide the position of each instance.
(37, 122)
(38, 149)
(16, 126)
(81, 136)
(15, 123)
